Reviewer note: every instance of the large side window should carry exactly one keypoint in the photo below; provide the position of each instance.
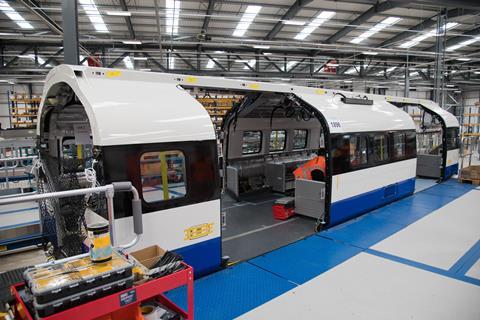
(163, 175)
(252, 142)
(300, 139)
(398, 145)
(358, 151)
(453, 139)
(278, 139)
(410, 144)
(340, 153)
(380, 148)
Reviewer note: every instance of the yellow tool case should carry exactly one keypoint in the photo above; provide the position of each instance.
(63, 278)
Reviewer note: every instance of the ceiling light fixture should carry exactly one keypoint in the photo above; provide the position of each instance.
(14, 15)
(93, 15)
(464, 59)
(131, 42)
(463, 44)
(140, 58)
(370, 53)
(293, 22)
(317, 22)
(247, 18)
(431, 33)
(261, 46)
(173, 16)
(390, 21)
(119, 13)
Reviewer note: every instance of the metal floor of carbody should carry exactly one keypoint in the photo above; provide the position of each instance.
(251, 230)
(417, 258)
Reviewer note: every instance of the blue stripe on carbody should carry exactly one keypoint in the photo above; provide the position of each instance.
(467, 260)
(349, 208)
(204, 257)
(451, 170)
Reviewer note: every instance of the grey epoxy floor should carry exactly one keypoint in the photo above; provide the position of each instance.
(251, 230)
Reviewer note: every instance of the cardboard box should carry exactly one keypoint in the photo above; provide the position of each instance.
(148, 256)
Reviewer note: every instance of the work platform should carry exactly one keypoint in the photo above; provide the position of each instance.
(417, 258)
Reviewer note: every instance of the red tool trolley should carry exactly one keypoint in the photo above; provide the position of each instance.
(121, 305)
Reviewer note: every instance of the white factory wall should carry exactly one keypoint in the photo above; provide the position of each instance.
(19, 89)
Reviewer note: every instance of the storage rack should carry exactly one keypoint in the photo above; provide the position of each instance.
(218, 106)
(124, 301)
(23, 110)
(470, 121)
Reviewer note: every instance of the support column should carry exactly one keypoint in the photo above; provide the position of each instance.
(406, 90)
(70, 31)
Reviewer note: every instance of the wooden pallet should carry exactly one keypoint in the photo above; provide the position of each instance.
(471, 175)
(470, 181)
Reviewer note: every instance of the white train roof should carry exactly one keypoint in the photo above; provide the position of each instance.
(450, 119)
(133, 107)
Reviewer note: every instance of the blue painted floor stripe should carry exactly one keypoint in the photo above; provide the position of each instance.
(305, 259)
(423, 266)
(467, 260)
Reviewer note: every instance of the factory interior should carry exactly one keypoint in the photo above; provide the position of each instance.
(239, 159)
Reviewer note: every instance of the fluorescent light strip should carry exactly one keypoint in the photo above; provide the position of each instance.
(260, 46)
(93, 15)
(128, 62)
(171, 62)
(375, 29)
(173, 16)
(317, 22)
(370, 53)
(14, 15)
(119, 13)
(131, 42)
(294, 22)
(463, 44)
(431, 33)
(464, 59)
(388, 70)
(247, 18)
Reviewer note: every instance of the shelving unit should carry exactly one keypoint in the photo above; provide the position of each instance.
(218, 106)
(23, 110)
(470, 121)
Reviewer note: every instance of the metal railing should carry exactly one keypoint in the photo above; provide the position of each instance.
(109, 191)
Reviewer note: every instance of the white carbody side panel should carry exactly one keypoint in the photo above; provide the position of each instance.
(354, 183)
(452, 156)
(166, 228)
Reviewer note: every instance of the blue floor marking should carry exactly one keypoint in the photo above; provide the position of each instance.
(423, 266)
(231, 292)
(234, 291)
(467, 260)
(305, 259)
